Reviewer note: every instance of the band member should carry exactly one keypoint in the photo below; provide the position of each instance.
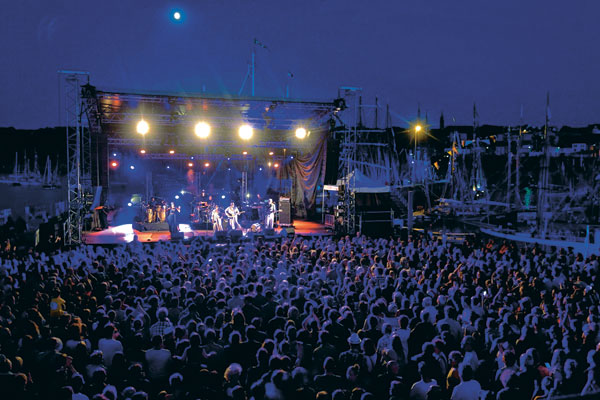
(232, 213)
(172, 214)
(270, 214)
(216, 219)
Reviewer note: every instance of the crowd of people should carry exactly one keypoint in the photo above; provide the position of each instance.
(325, 318)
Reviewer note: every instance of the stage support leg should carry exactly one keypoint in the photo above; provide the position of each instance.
(410, 212)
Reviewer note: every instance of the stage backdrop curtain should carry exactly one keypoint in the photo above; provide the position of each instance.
(307, 171)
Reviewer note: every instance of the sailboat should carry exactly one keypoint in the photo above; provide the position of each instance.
(569, 238)
(50, 177)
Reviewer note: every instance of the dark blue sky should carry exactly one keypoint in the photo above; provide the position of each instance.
(445, 54)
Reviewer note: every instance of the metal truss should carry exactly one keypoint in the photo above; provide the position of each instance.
(141, 143)
(349, 159)
(205, 157)
(176, 110)
(76, 178)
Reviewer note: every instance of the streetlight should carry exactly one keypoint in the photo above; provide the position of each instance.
(418, 129)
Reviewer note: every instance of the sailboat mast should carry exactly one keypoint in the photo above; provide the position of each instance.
(544, 174)
(517, 163)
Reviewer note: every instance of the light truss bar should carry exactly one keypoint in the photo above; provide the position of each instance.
(132, 142)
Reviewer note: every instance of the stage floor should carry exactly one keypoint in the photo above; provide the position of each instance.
(125, 233)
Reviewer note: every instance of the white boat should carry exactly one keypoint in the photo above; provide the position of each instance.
(579, 245)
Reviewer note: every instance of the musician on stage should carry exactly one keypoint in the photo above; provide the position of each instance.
(270, 214)
(172, 214)
(216, 219)
(232, 213)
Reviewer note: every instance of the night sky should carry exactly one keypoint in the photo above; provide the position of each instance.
(443, 54)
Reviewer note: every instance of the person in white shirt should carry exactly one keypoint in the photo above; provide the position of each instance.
(385, 342)
(108, 345)
(158, 359)
(419, 390)
(469, 388)
(270, 214)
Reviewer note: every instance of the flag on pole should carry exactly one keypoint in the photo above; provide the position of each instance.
(260, 44)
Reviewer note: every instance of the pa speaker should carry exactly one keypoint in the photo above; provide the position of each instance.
(285, 213)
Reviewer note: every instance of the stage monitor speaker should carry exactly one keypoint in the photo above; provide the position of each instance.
(201, 226)
(285, 215)
(176, 236)
(288, 231)
(220, 236)
(235, 235)
(269, 232)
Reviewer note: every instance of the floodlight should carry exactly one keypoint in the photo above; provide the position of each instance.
(246, 132)
(142, 127)
(300, 133)
(202, 130)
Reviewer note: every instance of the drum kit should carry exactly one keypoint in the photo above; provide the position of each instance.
(155, 211)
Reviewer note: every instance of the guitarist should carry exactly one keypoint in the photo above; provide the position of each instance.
(232, 213)
(271, 210)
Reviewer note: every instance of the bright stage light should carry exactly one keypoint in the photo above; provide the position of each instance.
(114, 164)
(131, 167)
(177, 15)
(171, 151)
(176, 197)
(300, 133)
(248, 195)
(223, 196)
(269, 163)
(207, 165)
(276, 165)
(190, 165)
(143, 151)
(142, 127)
(260, 169)
(114, 154)
(246, 132)
(129, 204)
(244, 152)
(182, 192)
(270, 153)
(202, 130)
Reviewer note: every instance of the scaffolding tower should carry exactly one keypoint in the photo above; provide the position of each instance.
(78, 149)
(349, 157)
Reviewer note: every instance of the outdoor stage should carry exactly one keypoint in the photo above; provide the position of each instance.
(125, 233)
